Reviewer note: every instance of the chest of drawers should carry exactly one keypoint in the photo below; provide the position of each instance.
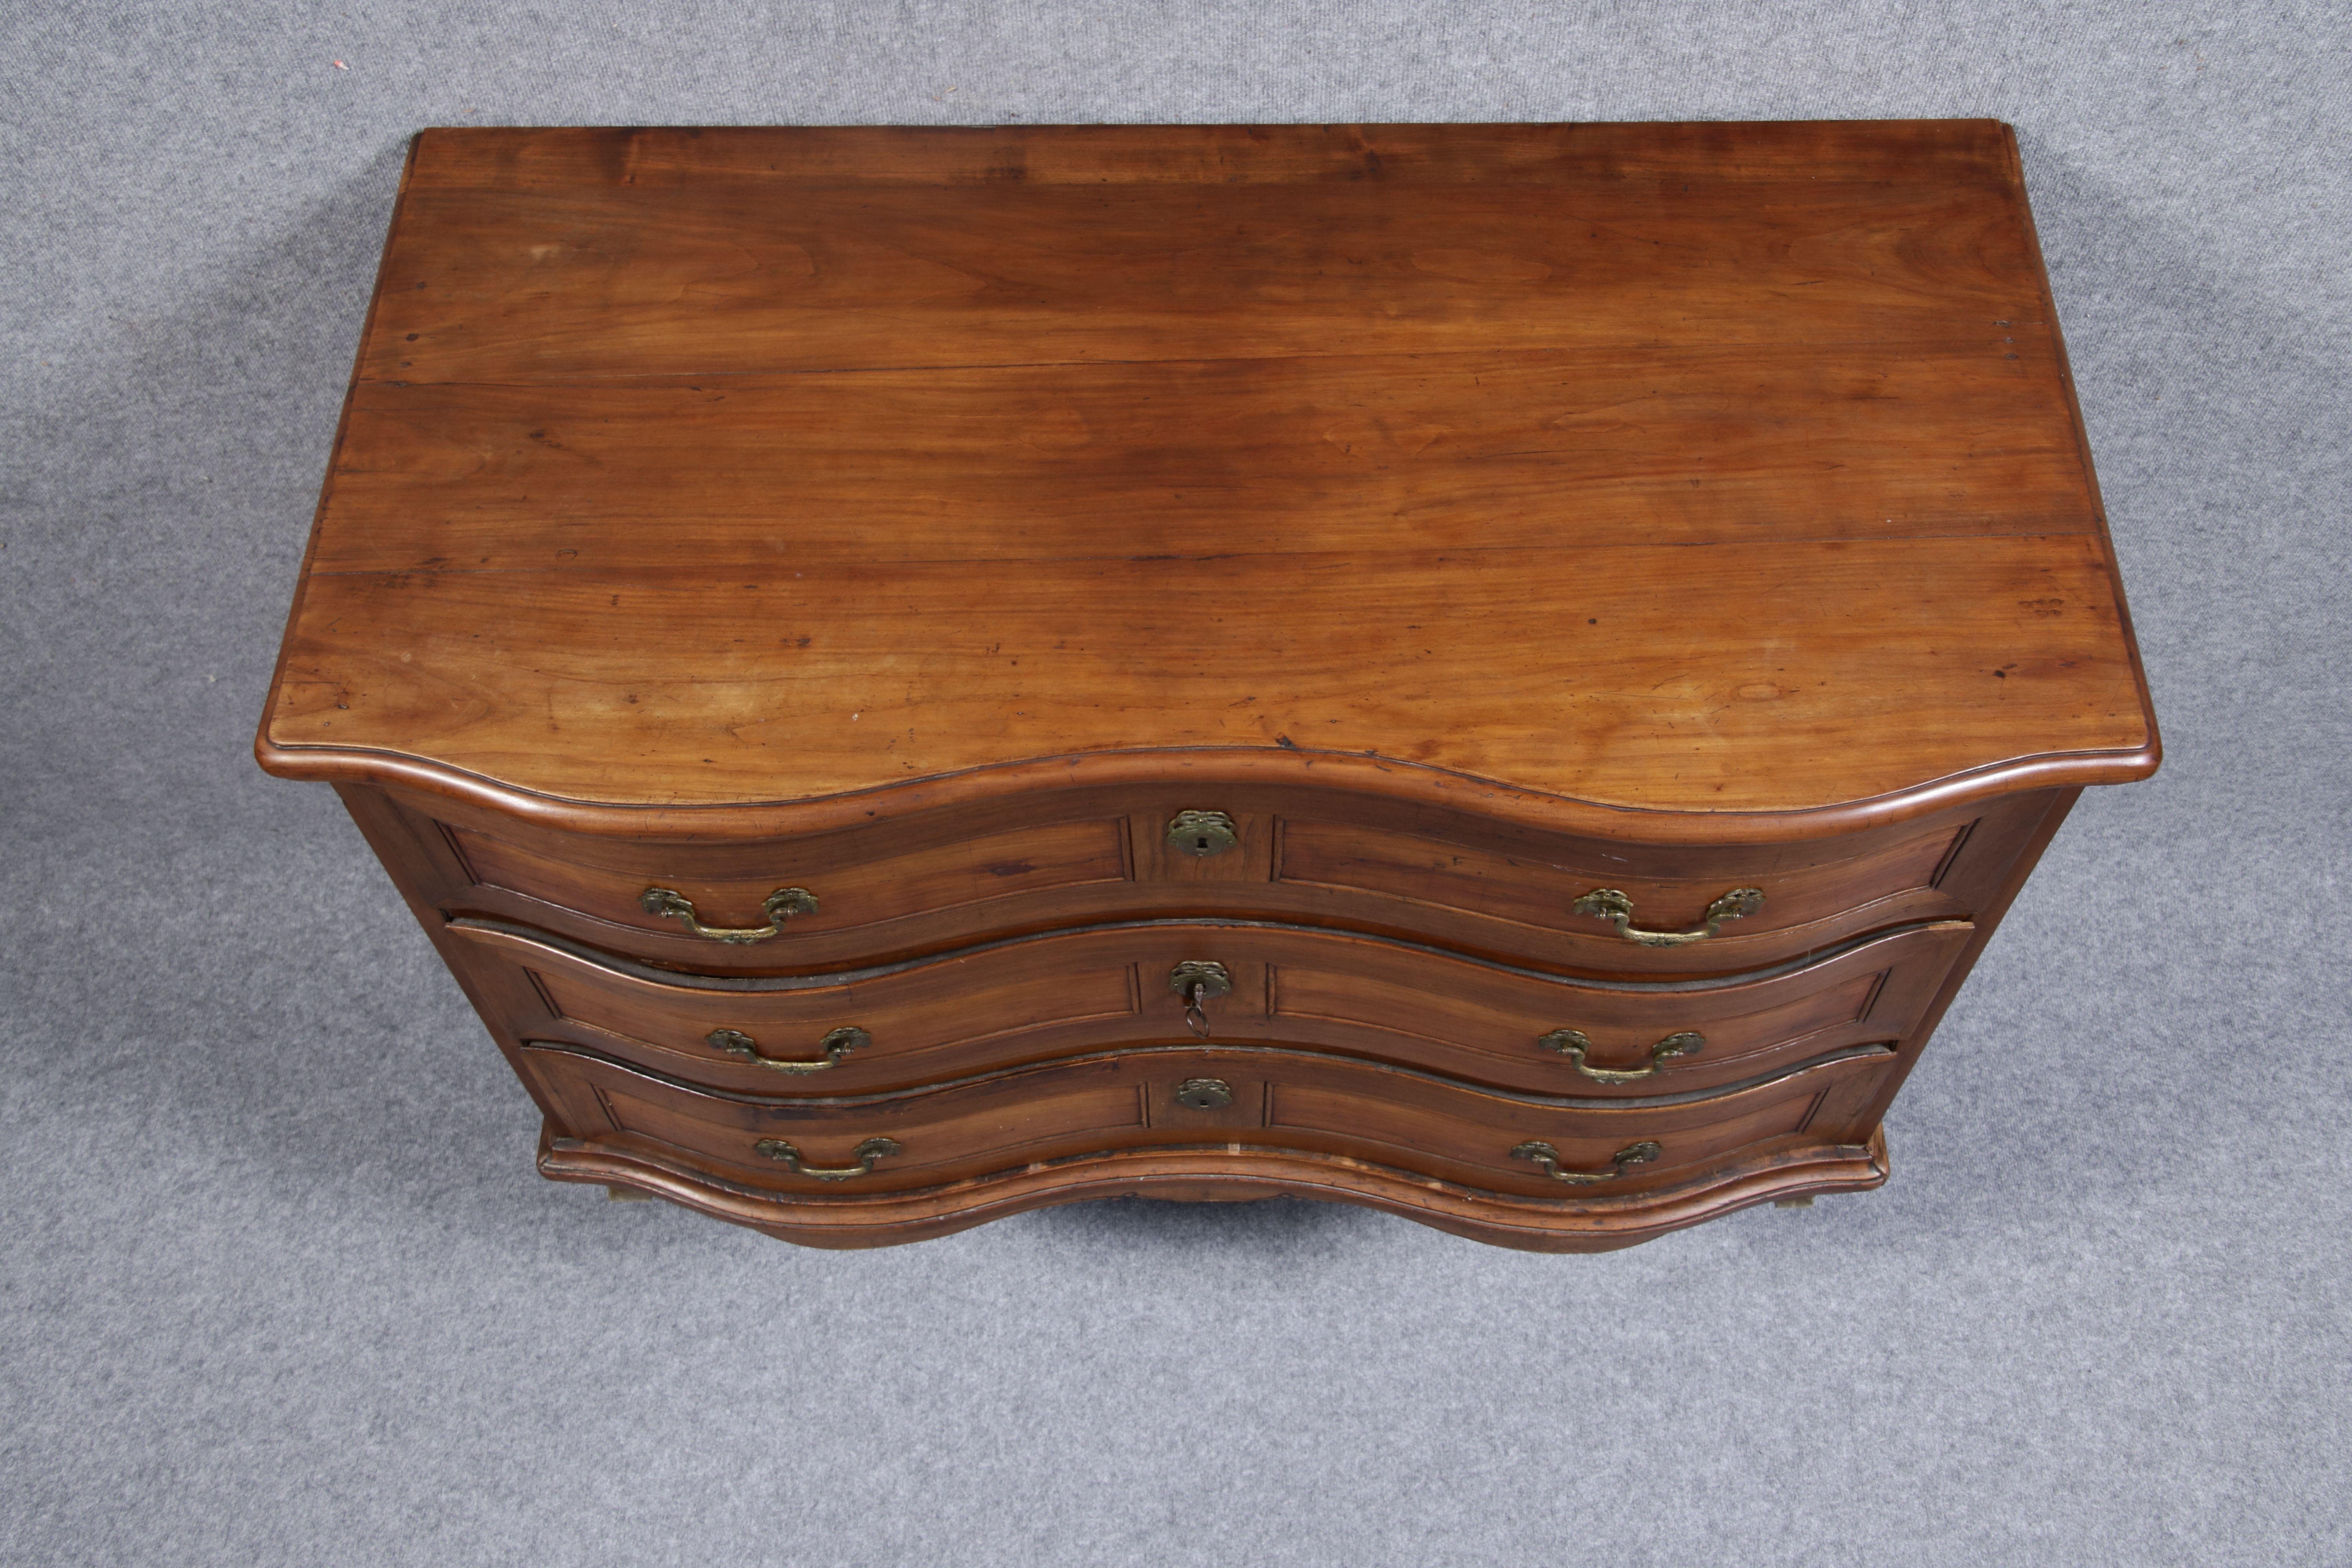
(1504, 674)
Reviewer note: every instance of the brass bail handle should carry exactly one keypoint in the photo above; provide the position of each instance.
(865, 1154)
(835, 1045)
(1611, 905)
(1546, 1156)
(780, 906)
(1574, 1044)
(1198, 981)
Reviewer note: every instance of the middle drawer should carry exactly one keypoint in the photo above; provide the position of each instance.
(1035, 999)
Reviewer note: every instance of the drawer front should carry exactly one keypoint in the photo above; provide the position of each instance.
(1064, 994)
(961, 876)
(1560, 1035)
(915, 1022)
(1223, 1100)
(1708, 911)
(836, 887)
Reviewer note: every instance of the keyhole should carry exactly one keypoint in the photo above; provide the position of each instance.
(1202, 845)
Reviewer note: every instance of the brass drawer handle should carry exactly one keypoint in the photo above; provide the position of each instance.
(1609, 904)
(1198, 980)
(865, 1154)
(1573, 1044)
(837, 1043)
(1546, 1156)
(781, 906)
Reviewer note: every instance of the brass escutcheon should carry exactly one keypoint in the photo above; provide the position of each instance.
(1201, 833)
(1574, 1043)
(1611, 905)
(1546, 1156)
(1200, 980)
(865, 1154)
(837, 1043)
(780, 906)
(1204, 1094)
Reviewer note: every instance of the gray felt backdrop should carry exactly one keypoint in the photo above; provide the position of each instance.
(279, 1286)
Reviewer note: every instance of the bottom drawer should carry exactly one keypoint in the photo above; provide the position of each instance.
(1236, 1101)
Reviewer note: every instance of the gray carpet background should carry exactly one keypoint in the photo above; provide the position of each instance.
(277, 1284)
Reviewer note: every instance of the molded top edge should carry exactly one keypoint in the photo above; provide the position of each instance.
(1204, 768)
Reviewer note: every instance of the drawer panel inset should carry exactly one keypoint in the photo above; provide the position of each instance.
(1545, 892)
(920, 1021)
(1516, 1143)
(829, 888)
(1502, 1025)
(935, 1008)
(932, 1138)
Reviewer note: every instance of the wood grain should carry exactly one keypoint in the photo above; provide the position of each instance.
(1559, 450)
(707, 282)
(1639, 465)
(1728, 678)
(893, 257)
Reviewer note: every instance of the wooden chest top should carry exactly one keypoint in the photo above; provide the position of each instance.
(1689, 469)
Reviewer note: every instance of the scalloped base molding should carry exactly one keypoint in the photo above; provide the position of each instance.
(1535, 1225)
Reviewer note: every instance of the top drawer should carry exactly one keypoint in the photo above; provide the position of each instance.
(949, 879)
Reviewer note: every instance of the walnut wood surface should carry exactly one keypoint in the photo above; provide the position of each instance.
(1690, 470)
(1447, 452)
